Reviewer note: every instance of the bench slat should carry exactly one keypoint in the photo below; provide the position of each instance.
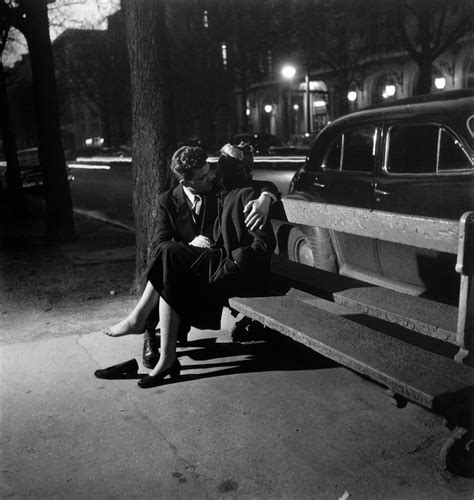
(420, 315)
(421, 376)
(422, 232)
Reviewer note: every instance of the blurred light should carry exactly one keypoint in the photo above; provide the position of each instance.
(247, 112)
(440, 82)
(88, 142)
(101, 141)
(319, 104)
(224, 54)
(296, 107)
(352, 95)
(288, 72)
(390, 90)
(268, 108)
(306, 134)
(205, 19)
(84, 166)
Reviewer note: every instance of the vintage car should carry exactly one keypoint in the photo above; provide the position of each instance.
(412, 156)
(261, 142)
(30, 170)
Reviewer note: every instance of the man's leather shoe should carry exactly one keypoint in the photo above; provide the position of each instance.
(122, 370)
(151, 353)
(182, 339)
(247, 330)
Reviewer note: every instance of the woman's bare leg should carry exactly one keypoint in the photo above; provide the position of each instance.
(134, 323)
(169, 324)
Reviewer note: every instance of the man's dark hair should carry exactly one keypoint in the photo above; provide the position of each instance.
(187, 159)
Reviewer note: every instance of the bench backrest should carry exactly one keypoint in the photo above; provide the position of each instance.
(423, 232)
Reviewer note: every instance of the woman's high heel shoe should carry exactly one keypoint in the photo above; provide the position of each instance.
(152, 381)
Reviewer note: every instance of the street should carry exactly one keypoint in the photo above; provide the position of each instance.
(103, 187)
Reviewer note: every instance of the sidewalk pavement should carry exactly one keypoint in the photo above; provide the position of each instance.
(262, 420)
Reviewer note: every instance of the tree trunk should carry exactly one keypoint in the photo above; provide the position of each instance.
(153, 127)
(60, 223)
(423, 85)
(13, 178)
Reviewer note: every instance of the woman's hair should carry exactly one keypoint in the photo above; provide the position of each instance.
(235, 164)
(187, 159)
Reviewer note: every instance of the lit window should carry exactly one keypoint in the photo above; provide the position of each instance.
(224, 54)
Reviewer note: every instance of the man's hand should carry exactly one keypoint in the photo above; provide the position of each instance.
(201, 242)
(257, 212)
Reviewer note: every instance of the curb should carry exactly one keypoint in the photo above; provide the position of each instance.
(92, 214)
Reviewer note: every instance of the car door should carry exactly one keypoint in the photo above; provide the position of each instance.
(426, 172)
(345, 176)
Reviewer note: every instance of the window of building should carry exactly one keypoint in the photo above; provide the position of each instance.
(224, 54)
(423, 149)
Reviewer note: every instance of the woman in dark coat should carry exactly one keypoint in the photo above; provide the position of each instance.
(192, 284)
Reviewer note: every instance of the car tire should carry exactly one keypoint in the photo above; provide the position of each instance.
(312, 247)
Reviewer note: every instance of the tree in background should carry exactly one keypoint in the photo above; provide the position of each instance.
(342, 46)
(153, 126)
(13, 178)
(427, 28)
(30, 17)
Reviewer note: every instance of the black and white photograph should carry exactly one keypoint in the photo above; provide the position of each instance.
(237, 249)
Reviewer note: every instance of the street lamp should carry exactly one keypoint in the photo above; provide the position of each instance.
(352, 95)
(288, 71)
(440, 82)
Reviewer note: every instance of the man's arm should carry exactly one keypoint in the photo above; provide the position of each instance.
(257, 210)
(256, 245)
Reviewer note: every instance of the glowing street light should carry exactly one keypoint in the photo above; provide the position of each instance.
(440, 82)
(268, 108)
(288, 71)
(389, 91)
(352, 95)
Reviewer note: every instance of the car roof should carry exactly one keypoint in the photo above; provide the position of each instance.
(453, 108)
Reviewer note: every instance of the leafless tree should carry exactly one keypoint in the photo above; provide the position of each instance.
(13, 178)
(427, 28)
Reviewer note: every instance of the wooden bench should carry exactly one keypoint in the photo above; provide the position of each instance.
(346, 320)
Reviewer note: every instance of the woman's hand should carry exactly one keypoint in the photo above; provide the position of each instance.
(201, 242)
(256, 212)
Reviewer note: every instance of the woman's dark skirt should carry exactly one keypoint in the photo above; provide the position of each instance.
(187, 292)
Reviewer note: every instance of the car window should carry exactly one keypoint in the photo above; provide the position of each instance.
(359, 150)
(353, 151)
(333, 158)
(451, 154)
(423, 149)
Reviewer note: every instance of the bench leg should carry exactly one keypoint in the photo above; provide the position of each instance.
(457, 453)
(396, 399)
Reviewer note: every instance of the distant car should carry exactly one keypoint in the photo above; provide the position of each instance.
(413, 156)
(260, 142)
(298, 145)
(30, 169)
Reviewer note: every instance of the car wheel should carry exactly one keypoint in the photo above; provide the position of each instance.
(312, 246)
